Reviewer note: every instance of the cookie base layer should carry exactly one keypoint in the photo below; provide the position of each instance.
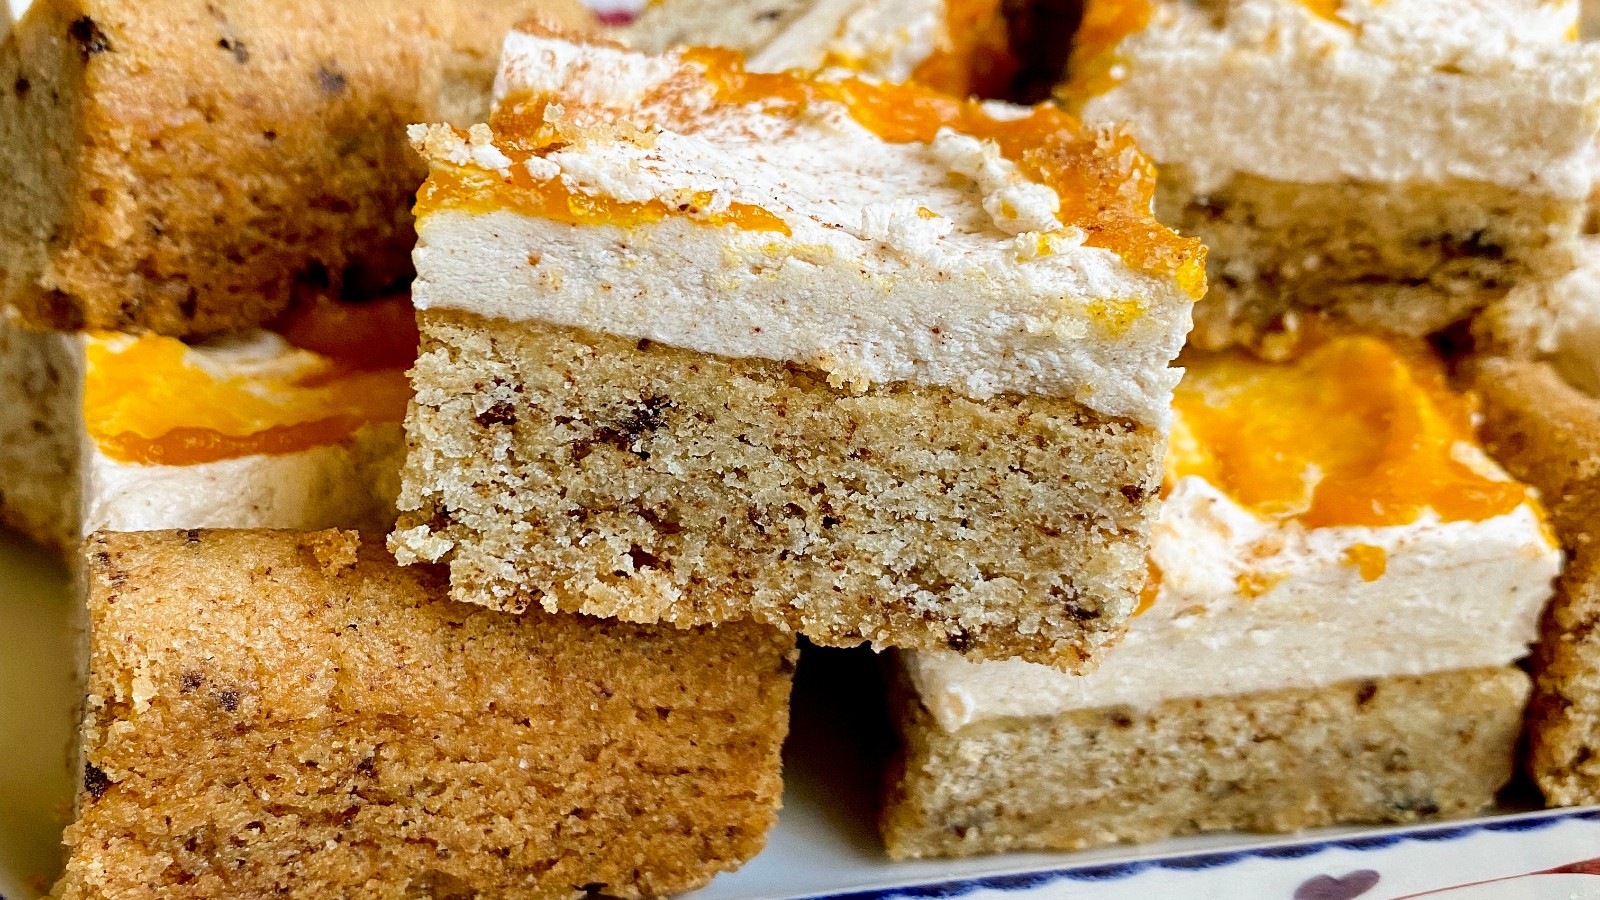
(588, 473)
(276, 713)
(1385, 750)
(1547, 434)
(1409, 260)
(173, 166)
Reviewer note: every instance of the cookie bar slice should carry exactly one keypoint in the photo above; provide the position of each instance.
(273, 713)
(187, 167)
(1341, 583)
(1547, 431)
(297, 426)
(858, 360)
(1401, 163)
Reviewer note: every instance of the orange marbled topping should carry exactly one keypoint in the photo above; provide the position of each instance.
(1104, 183)
(1352, 432)
(148, 401)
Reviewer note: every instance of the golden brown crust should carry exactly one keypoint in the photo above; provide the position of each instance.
(189, 166)
(1380, 750)
(263, 717)
(1547, 434)
(595, 474)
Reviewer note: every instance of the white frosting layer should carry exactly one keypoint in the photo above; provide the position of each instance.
(904, 261)
(1454, 595)
(1411, 90)
(346, 485)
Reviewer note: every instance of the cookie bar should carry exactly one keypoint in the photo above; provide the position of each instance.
(1400, 163)
(1340, 583)
(704, 345)
(1548, 432)
(189, 167)
(278, 713)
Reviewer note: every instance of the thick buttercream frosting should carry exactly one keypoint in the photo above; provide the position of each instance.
(1249, 605)
(1388, 91)
(766, 227)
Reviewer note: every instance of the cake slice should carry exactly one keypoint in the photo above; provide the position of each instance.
(188, 167)
(272, 713)
(1547, 432)
(1341, 583)
(962, 47)
(297, 427)
(1399, 163)
(858, 360)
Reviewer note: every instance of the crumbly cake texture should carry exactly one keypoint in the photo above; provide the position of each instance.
(1557, 321)
(1343, 168)
(653, 483)
(188, 167)
(1377, 751)
(283, 713)
(1548, 434)
(1408, 260)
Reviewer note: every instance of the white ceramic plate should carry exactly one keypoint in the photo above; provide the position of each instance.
(826, 843)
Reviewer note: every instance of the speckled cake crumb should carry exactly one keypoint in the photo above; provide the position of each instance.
(1547, 433)
(1379, 750)
(188, 166)
(276, 714)
(334, 550)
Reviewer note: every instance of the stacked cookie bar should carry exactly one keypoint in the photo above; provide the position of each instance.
(206, 256)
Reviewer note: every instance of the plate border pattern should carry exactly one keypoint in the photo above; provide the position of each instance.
(1101, 872)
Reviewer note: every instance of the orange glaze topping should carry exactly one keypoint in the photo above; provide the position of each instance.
(1151, 588)
(1104, 183)
(974, 55)
(482, 190)
(1370, 560)
(1094, 66)
(372, 334)
(146, 401)
(1354, 432)
(1327, 9)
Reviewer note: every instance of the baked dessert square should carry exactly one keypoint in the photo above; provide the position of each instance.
(961, 47)
(858, 360)
(296, 426)
(188, 167)
(1547, 432)
(1399, 163)
(292, 713)
(1341, 584)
